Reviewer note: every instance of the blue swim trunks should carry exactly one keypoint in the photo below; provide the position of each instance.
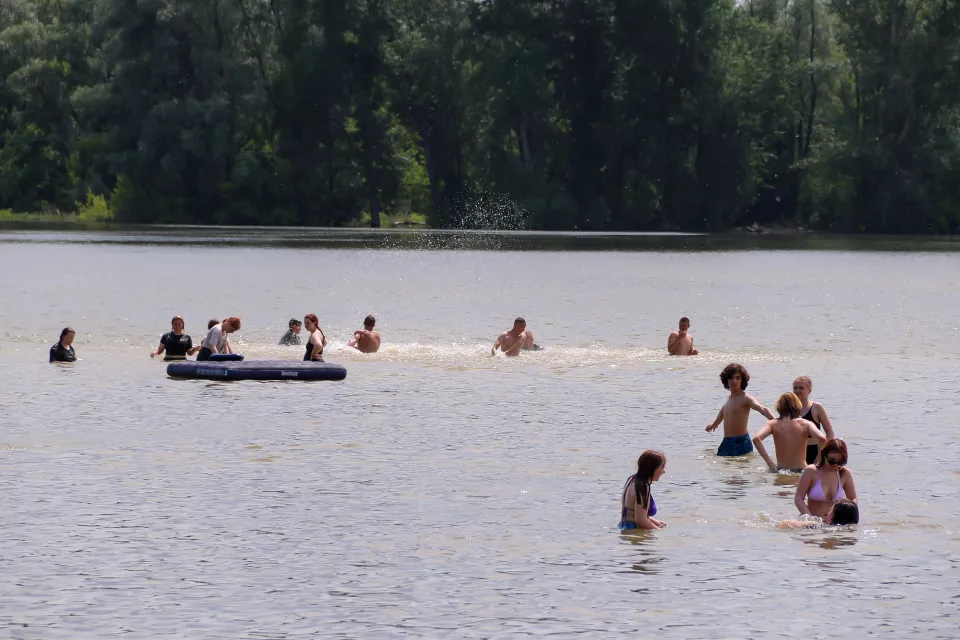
(735, 446)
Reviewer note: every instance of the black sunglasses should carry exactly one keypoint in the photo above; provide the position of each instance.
(836, 463)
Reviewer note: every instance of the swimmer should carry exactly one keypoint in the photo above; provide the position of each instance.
(176, 343)
(292, 336)
(217, 339)
(790, 434)
(814, 412)
(63, 350)
(638, 505)
(317, 340)
(822, 490)
(842, 513)
(735, 413)
(513, 341)
(680, 343)
(366, 340)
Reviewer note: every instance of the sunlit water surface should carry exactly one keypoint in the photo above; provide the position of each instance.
(439, 492)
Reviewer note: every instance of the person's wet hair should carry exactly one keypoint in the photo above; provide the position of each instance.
(519, 320)
(294, 323)
(685, 319)
(175, 318)
(805, 381)
(370, 322)
(65, 331)
(833, 444)
(212, 323)
(789, 406)
(845, 512)
(731, 369)
(647, 465)
(234, 321)
(312, 318)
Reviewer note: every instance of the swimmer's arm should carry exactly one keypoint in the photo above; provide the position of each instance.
(795, 524)
(496, 345)
(158, 351)
(518, 345)
(673, 343)
(758, 443)
(803, 488)
(849, 487)
(660, 523)
(759, 408)
(193, 350)
(716, 423)
(814, 433)
(825, 421)
(227, 347)
(641, 519)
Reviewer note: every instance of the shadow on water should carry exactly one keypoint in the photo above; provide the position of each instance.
(832, 542)
(643, 544)
(435, 239)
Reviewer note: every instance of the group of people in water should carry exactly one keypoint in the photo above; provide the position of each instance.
(177, 345)
(804, 442)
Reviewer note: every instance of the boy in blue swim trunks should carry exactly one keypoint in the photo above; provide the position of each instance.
(735, 413)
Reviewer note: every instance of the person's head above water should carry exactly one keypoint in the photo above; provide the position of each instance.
(311, 319)
(294, 325)
(519, 324)
(66, 336)
(231, 324)
(651, 465)
(802, 386)
(369, 323)
(789, 406)
(684, 323)
(212, 323)
(843, 512)
(833, 455)
(177, 324)
(734, 370)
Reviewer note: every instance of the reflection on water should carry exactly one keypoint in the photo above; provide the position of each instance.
(439, 492)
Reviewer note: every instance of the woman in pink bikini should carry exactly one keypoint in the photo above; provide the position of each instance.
(823, 484)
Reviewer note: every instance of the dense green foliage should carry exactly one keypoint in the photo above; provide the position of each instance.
(559, 114)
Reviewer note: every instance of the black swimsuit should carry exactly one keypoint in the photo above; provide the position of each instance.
(309, 352)
(812, 449)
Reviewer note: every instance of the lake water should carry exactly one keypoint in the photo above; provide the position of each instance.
(439, 492)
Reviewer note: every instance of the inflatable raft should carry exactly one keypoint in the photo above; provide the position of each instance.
(257, 370)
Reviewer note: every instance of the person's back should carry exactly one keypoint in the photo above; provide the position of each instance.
(790, 441)
(366, 340)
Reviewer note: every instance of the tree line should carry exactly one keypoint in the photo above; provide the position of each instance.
(558, 114)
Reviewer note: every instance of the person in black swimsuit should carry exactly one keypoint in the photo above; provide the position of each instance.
(814, 412)
(176, 343)
(317, 340)
(63, 350)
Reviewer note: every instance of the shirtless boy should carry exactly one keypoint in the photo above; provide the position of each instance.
(790, 433)
(513, 341)
(366, 340)
(735, 412)
(680, 343)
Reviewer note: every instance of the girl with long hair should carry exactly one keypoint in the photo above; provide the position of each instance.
(637, 499)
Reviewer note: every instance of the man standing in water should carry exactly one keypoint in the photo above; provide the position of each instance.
(735, 413)
(366, 340)
(513, 341)
(680, 343)
(790, 433)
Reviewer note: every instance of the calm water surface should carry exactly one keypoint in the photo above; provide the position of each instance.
(439, 492)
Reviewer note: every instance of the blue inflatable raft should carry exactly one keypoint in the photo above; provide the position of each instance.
(257, 370)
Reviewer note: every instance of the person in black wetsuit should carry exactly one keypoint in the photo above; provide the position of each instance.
(176, 343)
(814, 412)
(292, 336)
(317, 340)
(63, 350)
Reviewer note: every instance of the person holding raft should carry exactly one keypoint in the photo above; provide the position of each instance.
(790, 433)
(63, 350)
(176, 343)
(825, 483)
(317, 340)
(735, 412)
(637, 501)
(217, 340)
(814, 412)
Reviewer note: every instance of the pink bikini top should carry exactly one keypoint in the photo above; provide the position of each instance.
(816, 492)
